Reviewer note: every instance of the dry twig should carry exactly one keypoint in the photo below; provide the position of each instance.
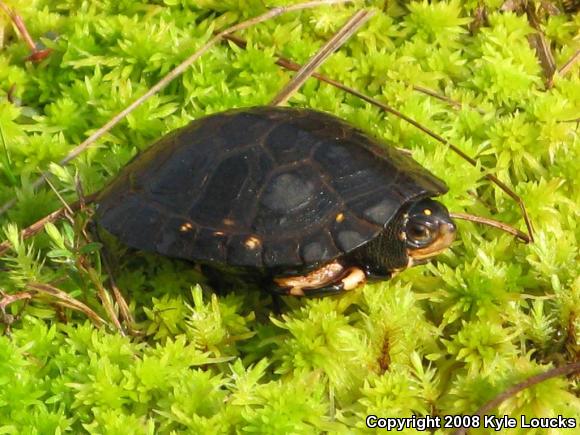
(530, 382)
(541, 44)
(38, 226)
(7, 299)
(492, 223)
(567, 67)
(37, 54)
(350, 27)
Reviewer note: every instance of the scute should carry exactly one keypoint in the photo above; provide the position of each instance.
(286, 141)
(244, 249)
(262, 187)
(217, 196)
(287, 192)
(209, 245)
(319, 248)
(176, 237)
(294, 199)
(349, 232)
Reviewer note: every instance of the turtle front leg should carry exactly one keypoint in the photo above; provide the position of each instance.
(331, 278)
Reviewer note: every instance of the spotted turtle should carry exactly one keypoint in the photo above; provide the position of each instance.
(296, 196)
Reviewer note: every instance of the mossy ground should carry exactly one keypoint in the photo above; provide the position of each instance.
(439, 339)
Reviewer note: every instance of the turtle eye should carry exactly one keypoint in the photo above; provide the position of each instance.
(419, 234)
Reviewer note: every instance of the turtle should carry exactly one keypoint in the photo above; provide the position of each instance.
(297, 197)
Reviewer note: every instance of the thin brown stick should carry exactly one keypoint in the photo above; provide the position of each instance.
(80, 191)
(492, 223)
(446, 99)
(577, 120)
(458, 151)
(123, 307)
(177, 71)
(541, 45)
(65, 205)
(544, 54)
(19, 23)
(7, 299)
(340, 37)
(568, 369)
(565, 69)
(443, 98)
(38, 226)
(33, 229)
(36, 54)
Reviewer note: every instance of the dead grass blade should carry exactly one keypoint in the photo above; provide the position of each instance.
(38, 226)
(36, 54)
(568, 369)
(66, 300)
(567, 67)
(492, 223)
(541, 44)
(339, 38)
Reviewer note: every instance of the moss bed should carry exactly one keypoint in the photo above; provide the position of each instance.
(440, 339)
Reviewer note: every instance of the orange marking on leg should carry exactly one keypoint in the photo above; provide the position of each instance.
(296, 291)
(354, 278)
(327, 274)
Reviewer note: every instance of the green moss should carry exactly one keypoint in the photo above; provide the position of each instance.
(438, 339)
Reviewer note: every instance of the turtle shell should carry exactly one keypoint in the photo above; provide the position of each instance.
(264, 187)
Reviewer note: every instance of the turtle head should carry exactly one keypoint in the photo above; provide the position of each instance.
(427, 230)
(420, 231)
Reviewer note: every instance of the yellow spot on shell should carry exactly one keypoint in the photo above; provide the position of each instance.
(252, 242)
(340, 217)
(186, 227)
(427, 212)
